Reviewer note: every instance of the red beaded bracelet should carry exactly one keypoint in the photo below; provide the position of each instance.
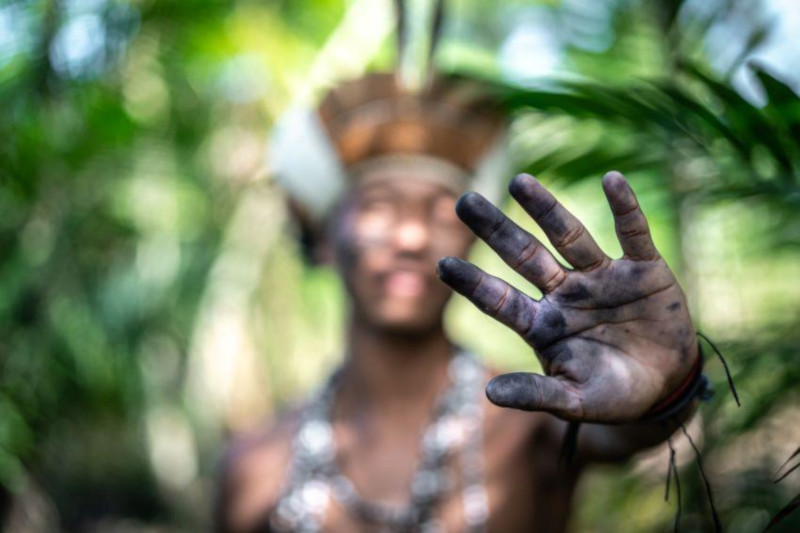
(695, 384)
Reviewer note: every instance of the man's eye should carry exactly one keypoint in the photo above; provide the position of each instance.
(376, 204)
(376, 210)
(374, 221)
(444, 211)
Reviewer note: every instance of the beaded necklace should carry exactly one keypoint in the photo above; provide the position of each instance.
(456, 426)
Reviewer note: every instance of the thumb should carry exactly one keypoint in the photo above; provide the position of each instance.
(533, 392)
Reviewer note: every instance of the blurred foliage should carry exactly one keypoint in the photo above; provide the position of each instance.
(142, 251)
(701, 142)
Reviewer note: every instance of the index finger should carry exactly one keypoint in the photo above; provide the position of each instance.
(519, 249)
(488, 293)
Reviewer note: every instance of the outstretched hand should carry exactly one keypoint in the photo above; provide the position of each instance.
(614, 336)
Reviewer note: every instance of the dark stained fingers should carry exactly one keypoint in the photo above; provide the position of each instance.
(488, 293)
(562, 228)
(534, 392)
(518, 248)
(633, 232)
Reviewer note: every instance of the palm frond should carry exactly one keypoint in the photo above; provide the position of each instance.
(783, 513)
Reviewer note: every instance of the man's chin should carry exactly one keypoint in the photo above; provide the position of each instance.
(407, 325)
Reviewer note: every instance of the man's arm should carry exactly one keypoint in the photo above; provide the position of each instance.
(251, 477)
(600, 443)
(614, 336)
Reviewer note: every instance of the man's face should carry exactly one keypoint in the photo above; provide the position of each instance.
(389, 236)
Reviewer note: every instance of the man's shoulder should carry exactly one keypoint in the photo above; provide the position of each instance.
(253, 471)
(265, 450)
(264, 441)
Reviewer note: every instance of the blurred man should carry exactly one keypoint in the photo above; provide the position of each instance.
(402, 436)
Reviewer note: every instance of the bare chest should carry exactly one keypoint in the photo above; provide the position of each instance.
(520, 487)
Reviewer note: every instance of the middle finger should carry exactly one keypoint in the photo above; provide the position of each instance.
(562, 228)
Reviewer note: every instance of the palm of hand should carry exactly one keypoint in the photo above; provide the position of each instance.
(614, 337)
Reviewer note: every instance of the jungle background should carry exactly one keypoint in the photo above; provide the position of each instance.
(153, 300)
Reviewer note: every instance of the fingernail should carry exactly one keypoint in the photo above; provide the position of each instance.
(613, 175)
(451, 269)
(521, 183)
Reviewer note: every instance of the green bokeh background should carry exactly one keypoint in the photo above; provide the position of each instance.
(153, 300)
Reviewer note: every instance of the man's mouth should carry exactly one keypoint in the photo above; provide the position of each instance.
(405, 284)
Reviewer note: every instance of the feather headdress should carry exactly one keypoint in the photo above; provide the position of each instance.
(449, 126)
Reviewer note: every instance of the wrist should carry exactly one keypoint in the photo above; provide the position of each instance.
(695, 385)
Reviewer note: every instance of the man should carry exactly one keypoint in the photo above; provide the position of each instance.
(402, 437)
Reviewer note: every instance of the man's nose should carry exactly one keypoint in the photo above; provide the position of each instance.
(412, 235)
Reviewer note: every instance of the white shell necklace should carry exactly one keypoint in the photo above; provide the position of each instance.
(456, 426)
